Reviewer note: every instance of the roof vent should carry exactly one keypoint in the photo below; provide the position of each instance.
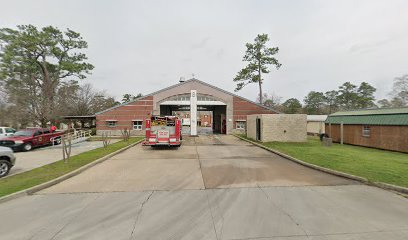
(182, 79)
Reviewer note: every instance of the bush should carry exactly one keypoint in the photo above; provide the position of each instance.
(93, 131)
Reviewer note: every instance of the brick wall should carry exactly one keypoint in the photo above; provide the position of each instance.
(278, 127)
(236, 108)
(243, 108)
(124, 115)
(384, 137)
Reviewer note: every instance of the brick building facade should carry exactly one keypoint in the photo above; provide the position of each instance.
(229, 111)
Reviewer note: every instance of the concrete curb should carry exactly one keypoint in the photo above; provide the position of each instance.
(391, 187)
(330, 171)
(59, 179)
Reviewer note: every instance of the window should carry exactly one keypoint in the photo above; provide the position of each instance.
(111, 123)
(366, 131)
(46, 131)
(137, 125)
(240, 124)
(10, 130)
(1, 130)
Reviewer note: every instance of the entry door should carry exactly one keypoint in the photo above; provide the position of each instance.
(223, 124)
(258, 129)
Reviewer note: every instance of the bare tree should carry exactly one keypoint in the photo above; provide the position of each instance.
(125, 134)
(106, 138)
(400, 91)
(271, 100)
(66, 140)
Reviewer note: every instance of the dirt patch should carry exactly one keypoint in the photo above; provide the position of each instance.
(244, 172)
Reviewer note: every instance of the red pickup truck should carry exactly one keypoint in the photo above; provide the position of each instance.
(27, 139)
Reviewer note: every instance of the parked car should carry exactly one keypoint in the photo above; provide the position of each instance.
(7, 160)
(27, 139)
(6, 131)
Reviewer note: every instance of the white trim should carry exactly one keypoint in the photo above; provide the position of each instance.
(240, 120)
(111, 120)
(137, 126)
(140, 120)
(182, 83)
(187, 103)
(366, 131)
(236, 124)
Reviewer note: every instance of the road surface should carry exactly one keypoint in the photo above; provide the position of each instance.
(213, 187)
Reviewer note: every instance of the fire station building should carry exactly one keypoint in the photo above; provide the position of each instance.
(203, 108)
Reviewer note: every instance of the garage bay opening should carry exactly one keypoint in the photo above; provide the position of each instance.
(211, 113)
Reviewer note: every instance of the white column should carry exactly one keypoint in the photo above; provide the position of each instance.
(193, 113)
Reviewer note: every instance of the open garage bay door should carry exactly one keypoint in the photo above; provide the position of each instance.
(210, 115)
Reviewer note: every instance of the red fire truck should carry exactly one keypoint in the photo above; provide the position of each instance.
(163, 131)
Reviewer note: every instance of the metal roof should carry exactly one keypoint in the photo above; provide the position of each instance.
(316, 118)
(380, 116)
(372, 111)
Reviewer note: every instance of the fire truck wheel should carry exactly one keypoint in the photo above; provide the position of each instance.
(27, 147)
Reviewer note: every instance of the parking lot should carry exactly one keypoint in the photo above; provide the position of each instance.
(45, 155)
(213, 187)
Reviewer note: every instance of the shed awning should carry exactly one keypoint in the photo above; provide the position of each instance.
(79, 117)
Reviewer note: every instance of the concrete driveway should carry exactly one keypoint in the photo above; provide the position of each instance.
(213, 187)
(46, 155)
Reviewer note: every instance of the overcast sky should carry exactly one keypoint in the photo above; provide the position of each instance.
(144, 46)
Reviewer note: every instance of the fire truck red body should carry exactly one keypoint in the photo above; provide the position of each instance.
(163, 131)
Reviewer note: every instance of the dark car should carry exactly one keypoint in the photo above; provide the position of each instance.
(27, 139)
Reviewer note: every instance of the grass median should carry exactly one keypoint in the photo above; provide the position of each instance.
(373, 164)
(51, 171)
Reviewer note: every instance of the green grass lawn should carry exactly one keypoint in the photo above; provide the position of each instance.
(45, 173)
(374, 164)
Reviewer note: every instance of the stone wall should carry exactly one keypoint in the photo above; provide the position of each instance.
(278, 127)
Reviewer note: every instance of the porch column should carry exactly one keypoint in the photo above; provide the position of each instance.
(193, 113)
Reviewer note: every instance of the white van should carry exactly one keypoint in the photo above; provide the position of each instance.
(6, 131)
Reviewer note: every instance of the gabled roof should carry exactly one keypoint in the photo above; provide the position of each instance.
(380, 116)
(182, 83)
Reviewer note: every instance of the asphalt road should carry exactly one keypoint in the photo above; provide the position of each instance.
(213, 187)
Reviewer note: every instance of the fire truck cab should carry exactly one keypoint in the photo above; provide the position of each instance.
(163, 131)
